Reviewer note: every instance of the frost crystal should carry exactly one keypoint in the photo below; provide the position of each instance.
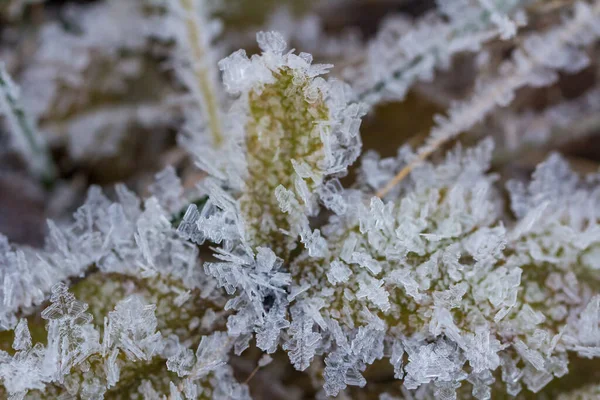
(71, 337)
(168, 190)
(254, 280)
(338, 272)
(22, 336)
(303, 341)
(131, 328)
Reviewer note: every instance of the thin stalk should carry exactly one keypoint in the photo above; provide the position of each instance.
(23, 130)
(461, 118)
(201, 70)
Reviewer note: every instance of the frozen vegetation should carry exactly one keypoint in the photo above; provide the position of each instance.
(465, 284)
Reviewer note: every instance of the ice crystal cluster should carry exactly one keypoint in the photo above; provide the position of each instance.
(464, 285)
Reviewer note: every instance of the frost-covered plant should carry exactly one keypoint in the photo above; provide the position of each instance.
(463, 291)
(404, 52)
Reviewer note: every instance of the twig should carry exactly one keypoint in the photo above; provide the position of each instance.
(406, 170)
(254, 371)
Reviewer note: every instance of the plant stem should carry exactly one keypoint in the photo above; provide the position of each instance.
(25, 135)
(201, 71)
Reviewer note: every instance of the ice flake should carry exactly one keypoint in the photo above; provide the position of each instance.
(211, 353)
(305, 171)
(219, 220)
(536, 380)
(443, 321)
(64, 306)
(181, 361)
(500, 287)
(210, 356)
(174, 392)
(345, 364)
(403, 277)
(187, 227)
(348, 247)
(303, 341)
(482, 382)
(340, 371)
(168, 190)
(304, 193)
(296, 291)
(482, 350)
(314, 242)
(267, 336)
(332, 196)
(240, 74)
(286, 199)
(366, 261)
(435, 362)
(131, 327)
(486, 244)
(271, 42)
(147, 391)
(396, 359)
(338, 272)
(530, 355)
(254, 281)
(265, 260)
(553, 181)
(25, 371)
(111, 368)
(527, 318)
(22, 336)
(71, 337)
(367, 345)
(587, 330)
(506, 27)
(451, 298)
(373, 290)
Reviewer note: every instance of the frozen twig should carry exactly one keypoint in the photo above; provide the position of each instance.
(24, 133)
(197, 42)
(533, 64)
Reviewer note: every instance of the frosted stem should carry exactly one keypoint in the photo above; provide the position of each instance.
(201, 71)
(25, 136)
